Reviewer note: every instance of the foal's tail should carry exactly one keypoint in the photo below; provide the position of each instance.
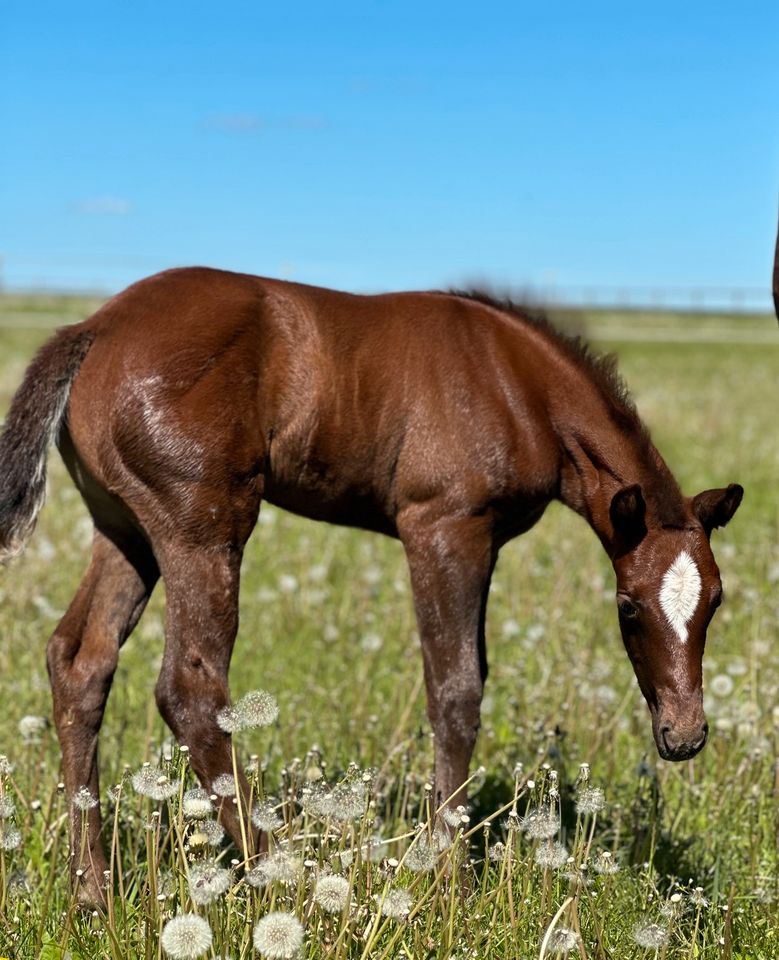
(34, 420)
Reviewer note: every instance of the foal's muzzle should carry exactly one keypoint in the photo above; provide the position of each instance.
(674, 743)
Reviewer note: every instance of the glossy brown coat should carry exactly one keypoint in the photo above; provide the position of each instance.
(449, 421)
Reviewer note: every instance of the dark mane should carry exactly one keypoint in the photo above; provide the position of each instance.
(601, 368)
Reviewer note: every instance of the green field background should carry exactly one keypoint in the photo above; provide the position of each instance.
(327, 627)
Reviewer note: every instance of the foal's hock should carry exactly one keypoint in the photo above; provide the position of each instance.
(447, 420)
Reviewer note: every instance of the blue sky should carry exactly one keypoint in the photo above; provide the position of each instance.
(386, 145)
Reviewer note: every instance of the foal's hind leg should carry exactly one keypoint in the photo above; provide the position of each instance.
(451, 561)
(82, 655)
(202, 621)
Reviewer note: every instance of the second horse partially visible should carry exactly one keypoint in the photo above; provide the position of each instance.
(449, 421)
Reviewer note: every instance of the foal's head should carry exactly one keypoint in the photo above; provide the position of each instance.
(668, 587)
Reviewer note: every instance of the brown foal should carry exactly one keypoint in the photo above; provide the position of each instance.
(447, 420)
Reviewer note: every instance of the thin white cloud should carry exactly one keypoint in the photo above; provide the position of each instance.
(105, 206)
(242, 123)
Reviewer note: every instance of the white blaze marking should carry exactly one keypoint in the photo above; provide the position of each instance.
(680, 592)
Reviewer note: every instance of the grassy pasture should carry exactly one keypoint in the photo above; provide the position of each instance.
(327, 627)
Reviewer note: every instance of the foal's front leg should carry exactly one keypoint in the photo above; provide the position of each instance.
(451, 562)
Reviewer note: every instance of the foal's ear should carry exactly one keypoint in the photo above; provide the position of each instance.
(628, 518)
(715, 507)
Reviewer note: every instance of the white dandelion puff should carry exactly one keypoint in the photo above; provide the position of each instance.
(650, 936)
(278, 936)
(84, 799)
(332, 893)
(349, 800)
(423, 855)
(154, 783)
(721, 685)
(551, 855)
(279, 867)
(258, 708)
(10, 837)
(196, 804)
(605, 864)
(371, 642)
(31, 728)
(396, 904)
(287, 583)
(212, 830)
(224, 785)
(265, 817)
(540, 823)
(7, 808)
(6, 767)
(563, 940)
(590, 800)
(497, 851)
(186, 937)
(228, 719)
(207, 882)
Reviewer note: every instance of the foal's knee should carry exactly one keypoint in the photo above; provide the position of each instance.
(189, 696)
(81, 669)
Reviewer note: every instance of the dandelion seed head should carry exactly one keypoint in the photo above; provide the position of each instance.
(212, 830)
(265, 816)
(224, 785)
(287, 583)
(397, 903)
(605, 864)
(207, 882)
(318, 801)
(497, 851)
(590, 800)
(18, 885)
(453, 818)
(721, 685)
(196, 804)
(551, 855)
(6, 767)
(31, 728)
(83, 799)
(423, 855)
(650, 936)
(563, 940)
(278, 936)
(258, 708)
(332, 893)
(186, 937)
(371, 642)
(279, 867)
(540, 823)
(10, 837)
(228, 719)
(154, 783)
(7, 808)
(349, 800)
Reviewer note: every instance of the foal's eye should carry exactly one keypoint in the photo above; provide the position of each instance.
(627, 608)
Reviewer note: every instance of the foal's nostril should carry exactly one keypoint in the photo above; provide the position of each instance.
(664, 731)
(703, 737)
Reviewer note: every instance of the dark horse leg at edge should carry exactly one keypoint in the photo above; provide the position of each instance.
(447, 420)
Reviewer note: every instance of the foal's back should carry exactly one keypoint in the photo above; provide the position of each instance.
(206, 385)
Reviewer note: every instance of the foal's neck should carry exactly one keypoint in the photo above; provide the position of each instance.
(601, 455)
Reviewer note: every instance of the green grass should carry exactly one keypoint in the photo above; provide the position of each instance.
(327, 627)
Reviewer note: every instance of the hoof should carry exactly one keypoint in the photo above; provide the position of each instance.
(90, 894)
